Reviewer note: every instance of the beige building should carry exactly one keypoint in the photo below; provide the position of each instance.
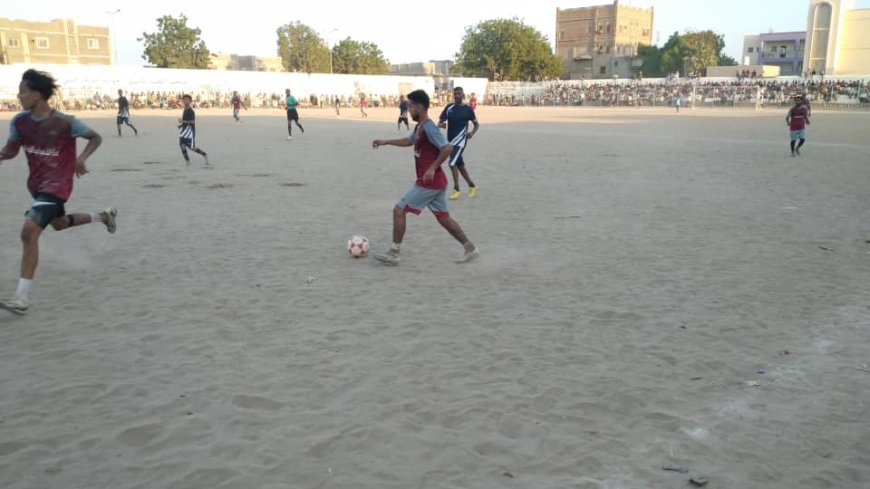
(235, 62)
(55, 42)
(601, 41)
(838, 38)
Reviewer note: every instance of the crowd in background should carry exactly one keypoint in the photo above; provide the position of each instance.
(687, 91)
(172, 100)
(639, 93)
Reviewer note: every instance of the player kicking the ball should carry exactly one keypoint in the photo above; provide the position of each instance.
(431, 150)
(49, 141)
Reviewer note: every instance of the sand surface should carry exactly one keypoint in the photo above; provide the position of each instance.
(639, 270)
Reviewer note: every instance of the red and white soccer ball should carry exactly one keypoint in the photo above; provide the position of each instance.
(358, 246)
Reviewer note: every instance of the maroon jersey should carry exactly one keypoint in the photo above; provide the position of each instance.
(50, 147)
(428, 141)
(798, 116)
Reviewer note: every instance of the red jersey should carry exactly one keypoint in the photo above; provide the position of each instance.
(798, 116)
(428, 141)
(363, 102)
(237, 103)
(50, 147)
(473, 104)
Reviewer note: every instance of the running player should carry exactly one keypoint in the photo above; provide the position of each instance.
(403, 114)
(431, 150)
(798, 119)
(455, 117)
(292, 115)
(124, 113)
(49, 141)
(337, 106)
(363, 105)
(237, 106)
(187, 131)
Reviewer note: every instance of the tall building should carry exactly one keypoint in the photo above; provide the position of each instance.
(782, 49)
(55, 42)
(838, 38)
(235, 62)
(602, 41)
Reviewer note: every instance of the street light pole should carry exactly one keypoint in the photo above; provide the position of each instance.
(114, 36)
(329, 47)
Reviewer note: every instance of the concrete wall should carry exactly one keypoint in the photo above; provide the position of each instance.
(80, 81)
(854, 56)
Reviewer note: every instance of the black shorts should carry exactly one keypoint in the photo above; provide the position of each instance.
(45, 208)
(123, 120)
(403, 119)
(292, 115)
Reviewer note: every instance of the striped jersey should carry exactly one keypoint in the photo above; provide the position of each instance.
(187, 131)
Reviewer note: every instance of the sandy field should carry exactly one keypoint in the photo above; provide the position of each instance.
(654, 291)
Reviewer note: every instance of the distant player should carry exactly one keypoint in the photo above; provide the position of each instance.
(473, 102)
(431, 150)
(455, 117)
(337, 106)
(363, 105)
(292, 115)
(48, 138)
(187, 131)
(403, 114)
(798, 119)
(237, 106)
(124, 113)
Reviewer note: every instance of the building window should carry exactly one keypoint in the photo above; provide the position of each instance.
(603, 70)
(93, 44)
(750, 50)
(14, 43)
(607, 49)
(42, 43)
(608, 28)
(616, 63)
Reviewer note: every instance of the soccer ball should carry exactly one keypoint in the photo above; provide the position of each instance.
(358, 246)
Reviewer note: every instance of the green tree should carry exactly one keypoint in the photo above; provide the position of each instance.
(651, 61)
(693, 52)
(674, 54)
(301, 49)
(361, 58)
(726, 60)
(704, 49)
(506, 49)
(175, 45)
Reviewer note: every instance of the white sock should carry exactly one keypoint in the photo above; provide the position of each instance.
(95, 217)
(396, 247)
(24, 286)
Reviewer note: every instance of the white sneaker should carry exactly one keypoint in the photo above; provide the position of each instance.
(15, 305)
(390, 258)
(109, 216)
(289, 138)
(469, 256)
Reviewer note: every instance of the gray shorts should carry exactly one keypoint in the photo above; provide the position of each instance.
(799, 134)
(418, 198)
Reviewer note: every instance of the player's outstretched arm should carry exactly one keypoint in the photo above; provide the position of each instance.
(402, 143)
(10, 150)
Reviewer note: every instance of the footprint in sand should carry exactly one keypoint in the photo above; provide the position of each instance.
(140, 435)
(292, 184)
(153, 185)
(256, 403)
(219, 185)
(124, 169)
(11, 447)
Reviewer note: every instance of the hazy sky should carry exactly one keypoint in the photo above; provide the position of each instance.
(396, 26)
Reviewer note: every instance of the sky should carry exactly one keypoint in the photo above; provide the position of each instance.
(398, 29)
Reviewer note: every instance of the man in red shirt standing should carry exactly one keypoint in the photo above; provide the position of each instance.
(798, 119)
(237, 106)
(363, 105)
(49, 142)
(431, 150)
